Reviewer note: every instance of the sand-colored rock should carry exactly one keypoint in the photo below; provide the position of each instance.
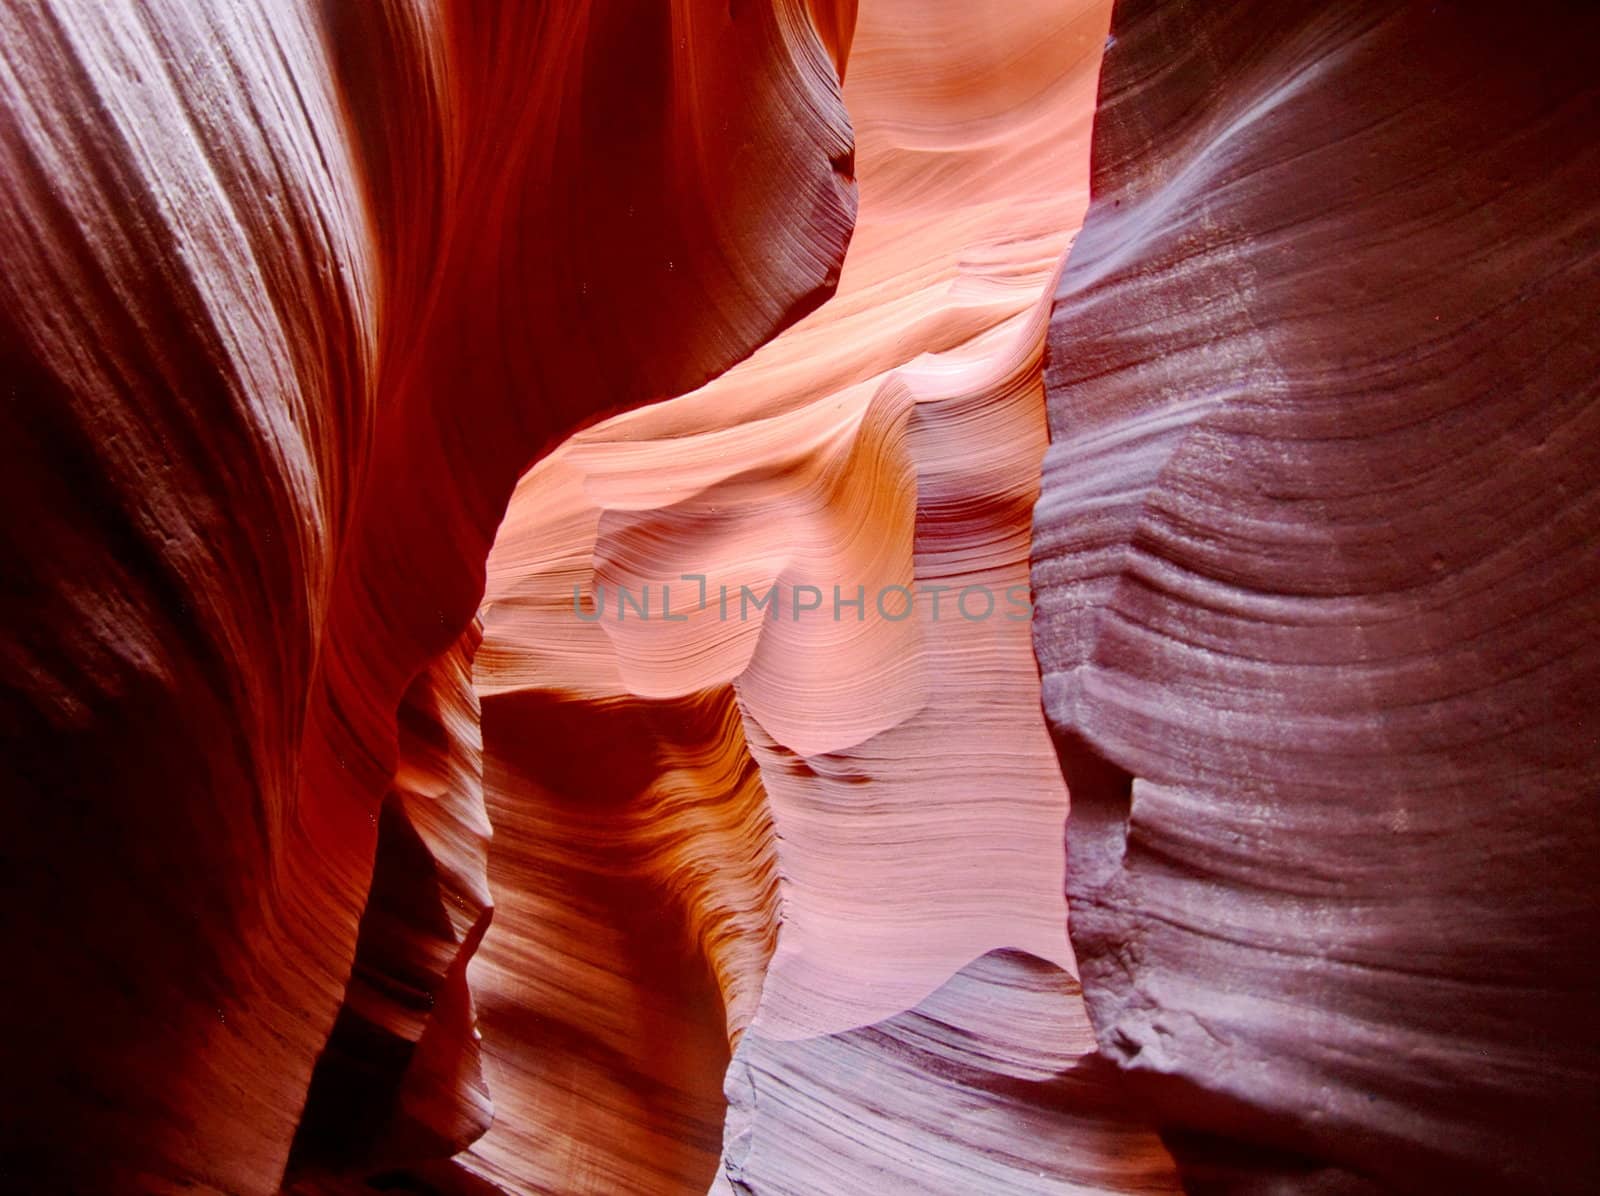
(788, 833)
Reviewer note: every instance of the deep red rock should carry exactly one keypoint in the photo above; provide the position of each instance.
(293, 293)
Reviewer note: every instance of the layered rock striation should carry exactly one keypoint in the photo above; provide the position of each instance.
(707, 831)
(1317, 590)
(294, 292)
(811, 822)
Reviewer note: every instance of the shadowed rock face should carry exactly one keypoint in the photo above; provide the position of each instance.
(293, 293)
(1317, 589)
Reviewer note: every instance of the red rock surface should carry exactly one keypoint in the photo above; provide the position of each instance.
(793, 837)
(299, 780)
(1318, 589)
(292, 295)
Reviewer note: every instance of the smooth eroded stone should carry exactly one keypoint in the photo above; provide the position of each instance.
(1317, 586)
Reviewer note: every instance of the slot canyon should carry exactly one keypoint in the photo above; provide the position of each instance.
(800, 597)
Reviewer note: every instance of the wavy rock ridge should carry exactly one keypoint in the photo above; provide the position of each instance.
(818, 841)
(1317, 589)
(295, 293)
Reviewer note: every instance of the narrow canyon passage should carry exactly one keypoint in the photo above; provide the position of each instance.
(811, 823)
(799, 597)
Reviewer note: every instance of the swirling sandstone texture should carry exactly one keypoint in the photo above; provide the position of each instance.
(831, 844)
(1318, 589)
(989, 1084)
(293, 293)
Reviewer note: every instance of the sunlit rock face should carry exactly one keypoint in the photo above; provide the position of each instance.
(293, 293)
(1318, 589)
(830, 843)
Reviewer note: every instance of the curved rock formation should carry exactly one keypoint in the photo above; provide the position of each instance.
(1317, 589)
(293, 294)
(720, 789)
(990, 1084)
(784, 831)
